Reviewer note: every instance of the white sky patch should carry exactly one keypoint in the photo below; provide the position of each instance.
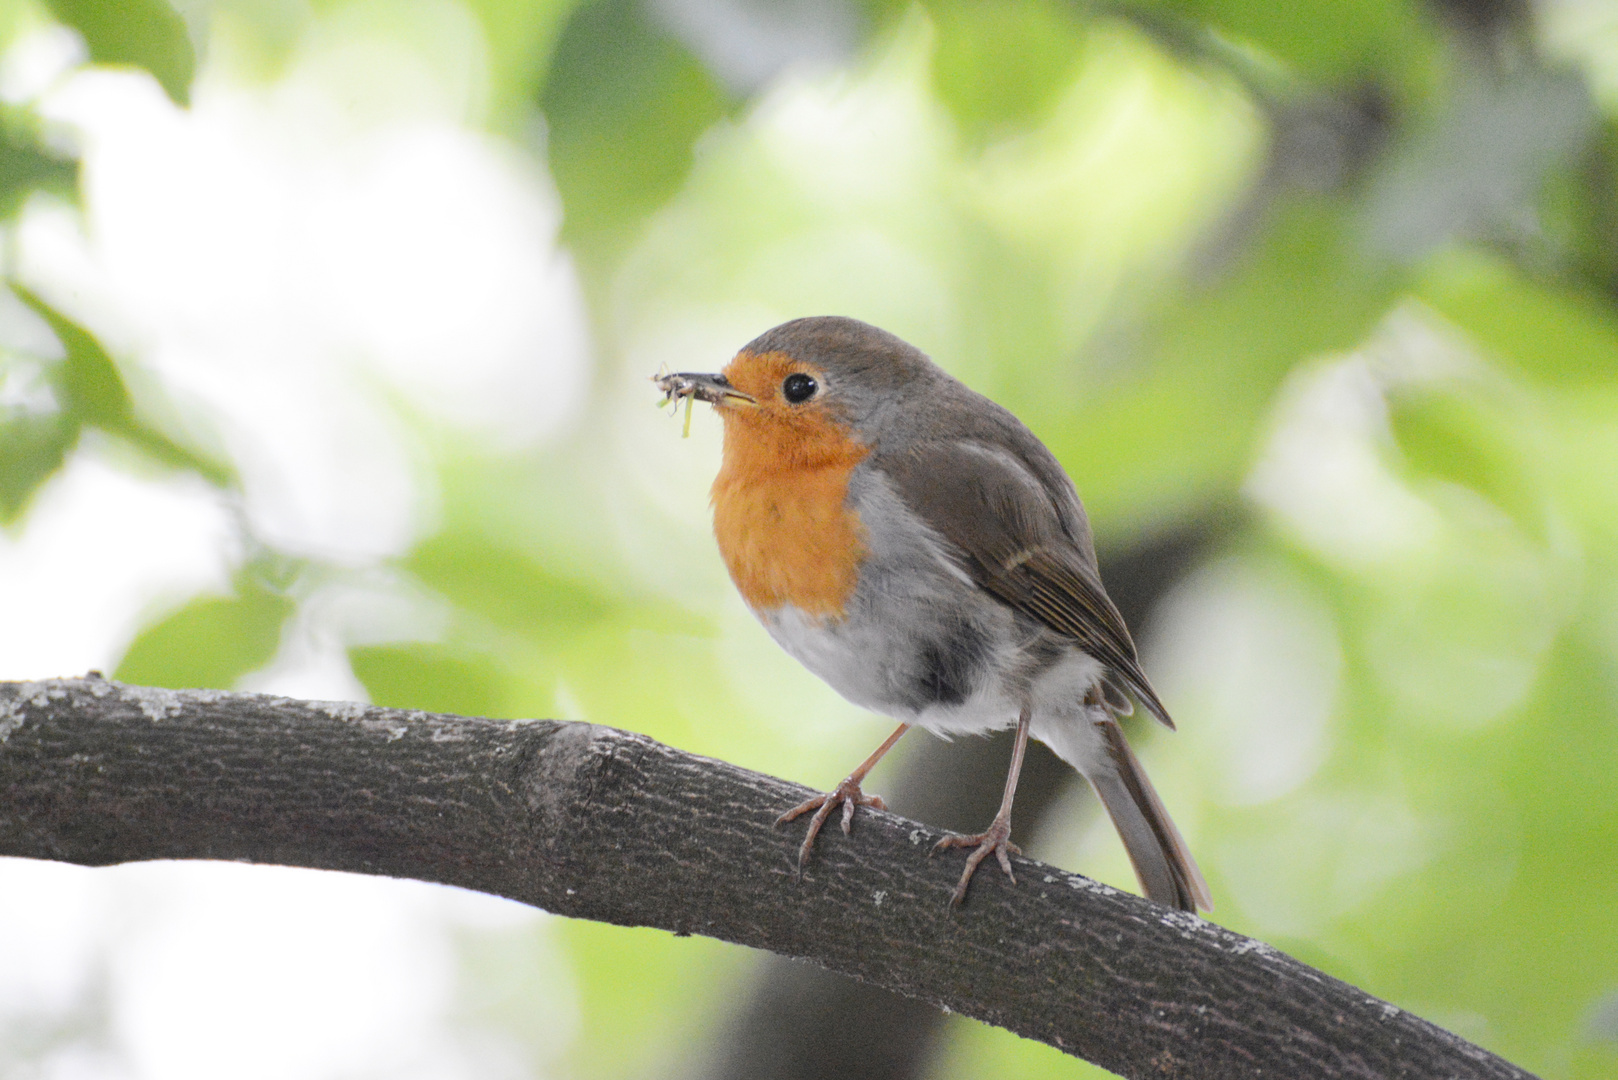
(211, 972)
(43, 57)
(49, 924)
(367, 608)
(222, 964)
(219, 969)
(311, 663)
(300, 274)
(102, 550)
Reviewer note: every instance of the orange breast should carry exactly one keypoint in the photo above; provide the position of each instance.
(780, 513)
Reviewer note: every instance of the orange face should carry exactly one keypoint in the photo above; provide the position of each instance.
(780, 513)
(804, 427)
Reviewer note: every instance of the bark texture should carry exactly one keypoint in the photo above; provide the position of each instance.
(607, 825)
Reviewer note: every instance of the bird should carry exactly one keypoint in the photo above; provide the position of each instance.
(915, 545)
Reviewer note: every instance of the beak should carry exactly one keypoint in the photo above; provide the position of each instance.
(714, 389)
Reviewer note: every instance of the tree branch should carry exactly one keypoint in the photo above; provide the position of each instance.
(603, 824)
(795, 1021)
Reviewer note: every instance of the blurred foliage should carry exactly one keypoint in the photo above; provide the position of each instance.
(623, 107)
(1326, 43)
(85, 389)
(521, 39)
(1344, 276)
(26, 167)
(211, 642)
(1000, 67)
(144, 33)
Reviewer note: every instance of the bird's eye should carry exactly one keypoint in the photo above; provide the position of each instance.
(798, 388)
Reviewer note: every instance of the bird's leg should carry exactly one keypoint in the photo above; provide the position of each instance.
(997, 837)
(847, 793)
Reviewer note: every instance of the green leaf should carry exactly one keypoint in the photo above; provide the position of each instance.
(624, 104)
(92, 392)
(999, 65)
(430, 676)
(641, 994)
(209, 643)
(26, 168)
(145, 33)
(1562, 336)
(521, 36)
(1464, 436)
(507, 587)
(88, 380)
(32, 447)
(1334, 42)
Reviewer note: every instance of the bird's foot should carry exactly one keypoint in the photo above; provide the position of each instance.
(996, 839)
(846, 794)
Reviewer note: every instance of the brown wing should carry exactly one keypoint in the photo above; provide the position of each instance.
(1027, 545)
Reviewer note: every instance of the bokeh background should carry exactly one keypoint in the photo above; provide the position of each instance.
(323, 371)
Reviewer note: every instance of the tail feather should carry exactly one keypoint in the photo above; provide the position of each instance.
(1166, 869)
(1167, 872)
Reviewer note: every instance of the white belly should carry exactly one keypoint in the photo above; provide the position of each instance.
(868, 667)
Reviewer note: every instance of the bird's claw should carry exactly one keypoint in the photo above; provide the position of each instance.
(846, 794)
(996, 839)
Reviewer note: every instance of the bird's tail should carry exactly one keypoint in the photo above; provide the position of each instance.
(1167, 872)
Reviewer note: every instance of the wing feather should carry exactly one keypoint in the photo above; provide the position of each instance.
(1025, 541)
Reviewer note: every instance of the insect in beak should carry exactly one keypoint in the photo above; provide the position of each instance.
(714, 389)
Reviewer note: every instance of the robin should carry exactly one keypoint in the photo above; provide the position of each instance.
(915, 546)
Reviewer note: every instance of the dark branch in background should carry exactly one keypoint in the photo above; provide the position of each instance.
(801, 1022)
(602, 824)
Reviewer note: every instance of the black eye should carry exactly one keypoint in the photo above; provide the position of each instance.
(798, 388)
